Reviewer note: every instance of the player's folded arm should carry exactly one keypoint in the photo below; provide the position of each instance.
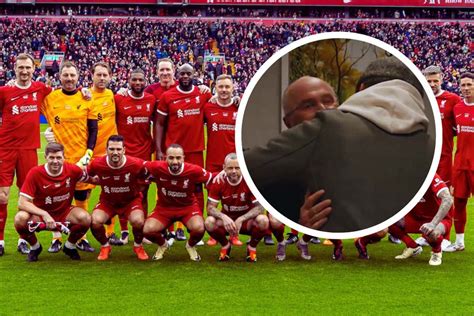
(25, 203)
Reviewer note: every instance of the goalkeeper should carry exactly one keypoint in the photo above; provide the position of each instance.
(73, 122)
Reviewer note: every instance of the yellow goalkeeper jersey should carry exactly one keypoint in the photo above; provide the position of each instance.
(104, 105)
(67, 115)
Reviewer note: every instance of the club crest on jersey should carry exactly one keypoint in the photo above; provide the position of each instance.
(234, 116)
(15, 110)
(68, 182)
(197, 99)
(35, 96)
(127, 177)
(48, 200)
(148, 107)
(242, 196)
(186, 184)
(443, 104)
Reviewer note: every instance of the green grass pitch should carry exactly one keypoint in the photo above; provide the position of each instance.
(123, 285)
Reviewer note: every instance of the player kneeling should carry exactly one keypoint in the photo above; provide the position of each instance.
(430, 217)
(241, 212)
(46, 197)
(176, 181)
(120, 177)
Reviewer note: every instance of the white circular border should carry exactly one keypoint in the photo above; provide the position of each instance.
(325, 36)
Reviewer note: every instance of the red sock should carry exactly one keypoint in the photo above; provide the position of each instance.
(219, 234)
(157, 238)
(306, 238)
(460, 214)
(256, 236)
(26, 235)
(400, 234)
(195, 237)
(99, 234)
(336, 242)
(279, 233)
(435, 245)
(123, 224)
(137, 235)
(3, 219)
(77, 231)
(370, 239)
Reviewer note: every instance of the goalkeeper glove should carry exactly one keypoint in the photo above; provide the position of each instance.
(84, 161)
(49, 135)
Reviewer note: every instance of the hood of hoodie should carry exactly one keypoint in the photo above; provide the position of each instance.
(395, 106)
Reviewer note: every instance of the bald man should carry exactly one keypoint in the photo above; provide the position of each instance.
(357, 155)
(302, 100)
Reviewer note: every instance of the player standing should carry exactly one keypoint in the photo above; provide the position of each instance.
(463, 175)
(176, 181)
(118, 175)
(46, 196)
(20, 129)
(241, 212)
(74, 122)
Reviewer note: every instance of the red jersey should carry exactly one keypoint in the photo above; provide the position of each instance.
(185, 113)
(177, 190)
(464, 116)
(20, 115)
(428, 206)
(446, 102)
(53, 194)
(220, 132)
(134, 117)
(236, 198)
(157, 89)
(120, 185)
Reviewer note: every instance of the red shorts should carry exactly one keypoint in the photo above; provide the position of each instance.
(169, 215)
(445, 170)
(18, 161)
(196, 158)
(123, 211)
(463, 183)
(413, 224)
(61, 216)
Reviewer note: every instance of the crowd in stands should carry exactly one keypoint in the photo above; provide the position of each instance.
(134, 43)
(178, 10)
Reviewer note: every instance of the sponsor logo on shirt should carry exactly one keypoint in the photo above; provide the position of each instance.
(24, 109)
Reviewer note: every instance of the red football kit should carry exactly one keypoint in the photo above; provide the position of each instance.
(185, 116)
(220, 133)
(53, 194)
(236, 199)
(446, 102)
(134, 117)
(463, 179)
(20, 130)
(176, 199)
(427, 208)
(120, 185)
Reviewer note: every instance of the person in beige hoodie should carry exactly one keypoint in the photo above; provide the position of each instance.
(370, 155)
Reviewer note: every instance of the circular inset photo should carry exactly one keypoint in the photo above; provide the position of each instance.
(338, 135)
